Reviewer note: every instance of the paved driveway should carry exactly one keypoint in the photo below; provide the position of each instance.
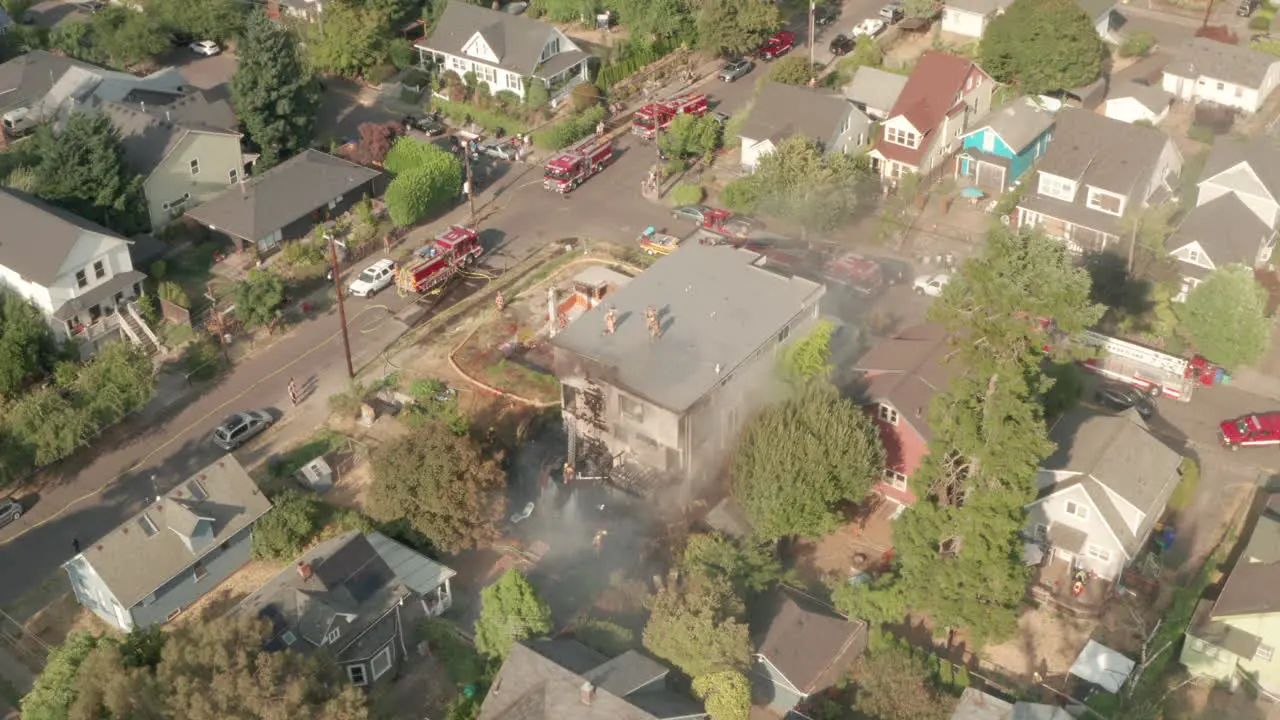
(206, 73)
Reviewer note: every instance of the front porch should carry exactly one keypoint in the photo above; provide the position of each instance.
(1053, 584)
(1079, 239)
(438, 601)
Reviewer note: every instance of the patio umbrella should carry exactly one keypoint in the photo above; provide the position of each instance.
(972, 193)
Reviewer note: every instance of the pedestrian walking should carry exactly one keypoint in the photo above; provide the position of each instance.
(75, 545)
(293, 391)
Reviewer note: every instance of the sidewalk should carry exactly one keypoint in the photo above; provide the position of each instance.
(16, 675)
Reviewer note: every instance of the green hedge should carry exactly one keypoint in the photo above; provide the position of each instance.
(490, 120)
(619, 70)
(570, 130)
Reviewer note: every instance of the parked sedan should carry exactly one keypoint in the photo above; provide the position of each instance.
(841, 45)
(429, 126)
(10, 510)
(237, 429)
(735, 69)
(1118, 397)
(931, 285)
(208, 48)
(692, 213)
(374, 278)
(825, 15)
(870, 27)
(499, 151)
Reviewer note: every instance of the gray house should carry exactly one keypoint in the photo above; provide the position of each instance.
(358, 596)
(1237, 207)
(179, 547)
(783, 111)
(503, 50)
(1098, 170)
(674, 399)
(804, 648)
(1233, 76)
(288, 200)
(1103, 490)
(566, 680)
(874, 91)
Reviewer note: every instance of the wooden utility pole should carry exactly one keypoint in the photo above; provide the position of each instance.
(342, 309)
(471, 185)
(1133, 242)
(813, 41)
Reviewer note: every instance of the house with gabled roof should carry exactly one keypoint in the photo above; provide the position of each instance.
(172, 552)
(563, 679)
(26, 79)
(783, 111)
(505, 51)
(875, 91)
(1235, 637)
(977, 705)
(1133, 102)
(1237, 208)
(1102, 491)
(1002, 145)
(969, 18)
(360, 597)
(942, 96)
(901, 376)
(1234, 76)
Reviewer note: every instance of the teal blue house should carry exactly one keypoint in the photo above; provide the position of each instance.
(1002, 145)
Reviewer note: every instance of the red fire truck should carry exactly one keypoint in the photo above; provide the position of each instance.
(576, 163)
(862, 274)
(655, 117)
(1145, 368)
(434, 265)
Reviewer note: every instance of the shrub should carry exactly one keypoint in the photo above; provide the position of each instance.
(203, 359)
(674, 167)
(584, 96)
(284, 532)
(962, 680)
(173, 292)
(490, 119)
(536, 94)
(450, 79)
(739, 195)
(607, 638)
(1260, 23)
(482, 97)
(148, 307)
(507, 99)
(631, 62)
(570, 130)
(402, 54)
(1200, 133)
(686, 194)
(158, 270)
(469, 79)
(1138, 44)
(379, 74)
(301, 253)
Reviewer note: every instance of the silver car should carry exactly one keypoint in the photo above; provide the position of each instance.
(10, 510)
(692, 213)
(237, 429)
(735, 69)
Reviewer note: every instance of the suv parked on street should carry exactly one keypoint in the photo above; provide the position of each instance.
(10, 510)
(777, 46)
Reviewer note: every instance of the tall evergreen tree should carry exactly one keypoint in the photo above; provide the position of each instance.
(275, 93)
(959, 554)
(82, 169)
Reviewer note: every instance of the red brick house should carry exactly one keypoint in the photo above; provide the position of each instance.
(902, 375)
(922, 133)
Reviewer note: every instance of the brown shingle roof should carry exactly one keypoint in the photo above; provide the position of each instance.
(931, 91)
(907, 371)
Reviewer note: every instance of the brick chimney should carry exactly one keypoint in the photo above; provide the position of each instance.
(588, 692)
(304, 570)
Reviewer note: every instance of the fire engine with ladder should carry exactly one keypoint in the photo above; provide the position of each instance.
(573, 165)
(450, 254)
(1144, 368)
(655, 117)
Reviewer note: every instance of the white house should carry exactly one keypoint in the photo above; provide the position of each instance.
(969, 18)
(1132, 102)
(503, 50)
(1234, 76)
(79, 274)
(1102, 492)
(782, 111)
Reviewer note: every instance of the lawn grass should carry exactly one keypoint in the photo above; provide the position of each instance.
(175, 335)
(459, 657)
(1185, 493)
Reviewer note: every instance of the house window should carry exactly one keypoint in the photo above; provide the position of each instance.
(1265, 652)
(988, 142)
(356, 674)
(332, 636)
(898, 136)
(197, 491)
(99, 269)
(1222, 86)
(1075, 509)
(457, 65)
(381, 663)
(1106, 202)
(1042, 532)
(174, 614)
(233, 176)
(895, 479)
(195, 167)
(552, 49)
(1099, 554)
(1057, 187)
(513, 81)
(199, 572)
(1193, 255)
(82, 279)
(148, 527)
(630, 408)
(888, 413)
(176, 206)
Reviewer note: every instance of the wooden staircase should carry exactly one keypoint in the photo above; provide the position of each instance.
(136, 329)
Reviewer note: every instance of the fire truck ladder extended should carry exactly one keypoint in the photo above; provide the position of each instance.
(583, 146)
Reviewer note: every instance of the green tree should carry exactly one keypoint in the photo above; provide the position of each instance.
(1225, 317)
(691, 135)
(56, 689)
(809, 358)
(127, 37)
(119, 381)
(258, 298)
(726, 694)
(76, 39)
(510, 611)
(283, 533)
(49, 425)
(798, 459)
(794, 70)
(172, 292)
(27, 348)
(536, 94)
(350, 41)
(441, 484)
(959, 550)
(695, 626)
(653, 21)
(734, 27)
(217, 20)
(275, 93)
(427, 179)
(397, 12)
(894, 684)
(819, 192)
(920, 8)
(748, 568)
(1042, 46)
(82, 169)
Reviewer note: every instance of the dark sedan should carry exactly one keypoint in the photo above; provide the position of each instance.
(841, 45)
(427, 125)
(824, 16)
(1118, 397)
(237, 429)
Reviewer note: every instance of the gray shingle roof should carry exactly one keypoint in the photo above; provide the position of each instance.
(148, 133)
(517, 40)
(1236, 64)
(26, 78)
(1249, 590)
(39, 237)
(133, 565)
(287, 192)
(1227, 230)
(1096, 150)
(1260, 153)
(907, 370)
(877, 89)
(1152, 98)
(1018, 123)
(977, 705)
(782, 111)
(808, 642)
(717, 308)
(979, 7)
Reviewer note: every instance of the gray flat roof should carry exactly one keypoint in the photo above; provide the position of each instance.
(716, 307)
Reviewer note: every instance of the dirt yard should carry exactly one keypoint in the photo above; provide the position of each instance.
(231, 591)
(862, 544)
(1048, 642)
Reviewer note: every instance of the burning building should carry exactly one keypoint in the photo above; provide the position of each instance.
(665, 371)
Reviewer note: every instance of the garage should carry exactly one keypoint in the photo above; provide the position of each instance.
(990, 176)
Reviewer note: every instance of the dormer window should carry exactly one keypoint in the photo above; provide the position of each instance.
(551, 50)
(1107, 202)
(332, 636)
(905, 138)
(888, 413)
(1056, 187)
